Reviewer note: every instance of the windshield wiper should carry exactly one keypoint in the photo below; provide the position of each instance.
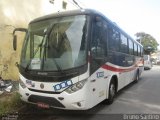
(58, 66)
(44, 58)
(46, 45)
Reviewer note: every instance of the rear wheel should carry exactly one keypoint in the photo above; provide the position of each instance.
(112, 93)
(137, 76)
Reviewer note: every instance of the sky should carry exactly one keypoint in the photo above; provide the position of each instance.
(131, 15)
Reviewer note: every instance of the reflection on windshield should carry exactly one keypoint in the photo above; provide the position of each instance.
(55, 44)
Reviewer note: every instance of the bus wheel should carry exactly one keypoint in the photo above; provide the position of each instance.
(112, 93)
(137, 76)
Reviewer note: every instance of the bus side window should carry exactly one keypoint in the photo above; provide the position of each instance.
(114, 39)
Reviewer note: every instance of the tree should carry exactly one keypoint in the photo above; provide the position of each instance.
(149, 43)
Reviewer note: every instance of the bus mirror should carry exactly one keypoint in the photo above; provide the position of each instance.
(15, 37)
(15, 42)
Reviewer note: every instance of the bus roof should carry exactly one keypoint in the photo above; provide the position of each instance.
(81, 12)
(66, 13)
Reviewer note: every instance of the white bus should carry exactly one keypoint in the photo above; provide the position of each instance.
(75, 60)
(147, 62)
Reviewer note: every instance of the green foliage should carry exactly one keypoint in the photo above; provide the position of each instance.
(149, 43)
(10, 103)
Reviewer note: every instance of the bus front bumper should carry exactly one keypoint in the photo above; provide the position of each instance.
(61, 101)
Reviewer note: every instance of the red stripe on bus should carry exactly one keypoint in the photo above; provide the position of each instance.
(111, 68)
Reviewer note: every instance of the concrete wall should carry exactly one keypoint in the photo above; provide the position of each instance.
(18, 13)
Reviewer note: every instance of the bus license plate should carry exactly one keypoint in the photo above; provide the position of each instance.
(42, 105)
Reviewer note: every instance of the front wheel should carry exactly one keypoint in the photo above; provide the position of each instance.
(112, 93)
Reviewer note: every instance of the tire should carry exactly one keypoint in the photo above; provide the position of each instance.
(112, 93)
(137, 77)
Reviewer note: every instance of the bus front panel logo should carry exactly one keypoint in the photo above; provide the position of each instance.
(100, 74)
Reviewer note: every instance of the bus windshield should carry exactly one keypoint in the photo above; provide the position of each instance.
(55, 44)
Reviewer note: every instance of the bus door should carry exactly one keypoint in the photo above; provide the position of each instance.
(98, 56)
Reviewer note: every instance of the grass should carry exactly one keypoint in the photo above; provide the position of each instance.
(10, 103)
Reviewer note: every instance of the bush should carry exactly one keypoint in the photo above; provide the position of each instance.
(10, 103)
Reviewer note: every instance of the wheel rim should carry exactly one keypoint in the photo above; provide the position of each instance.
(112, 90)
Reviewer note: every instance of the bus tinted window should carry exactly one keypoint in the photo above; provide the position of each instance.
(139, 51)
(135, 49)
(124, 44)
(130, 47)
(113, 40)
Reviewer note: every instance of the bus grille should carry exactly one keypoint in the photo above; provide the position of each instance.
(48, 100)
(40, 91)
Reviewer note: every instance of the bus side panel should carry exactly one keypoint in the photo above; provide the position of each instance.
(98, 86)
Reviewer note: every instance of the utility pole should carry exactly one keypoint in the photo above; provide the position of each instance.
(75, 2)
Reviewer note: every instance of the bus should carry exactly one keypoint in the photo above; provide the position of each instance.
(76, 60)
(147, 62)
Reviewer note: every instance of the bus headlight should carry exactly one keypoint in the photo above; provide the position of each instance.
(79, 85)
(22, 84)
